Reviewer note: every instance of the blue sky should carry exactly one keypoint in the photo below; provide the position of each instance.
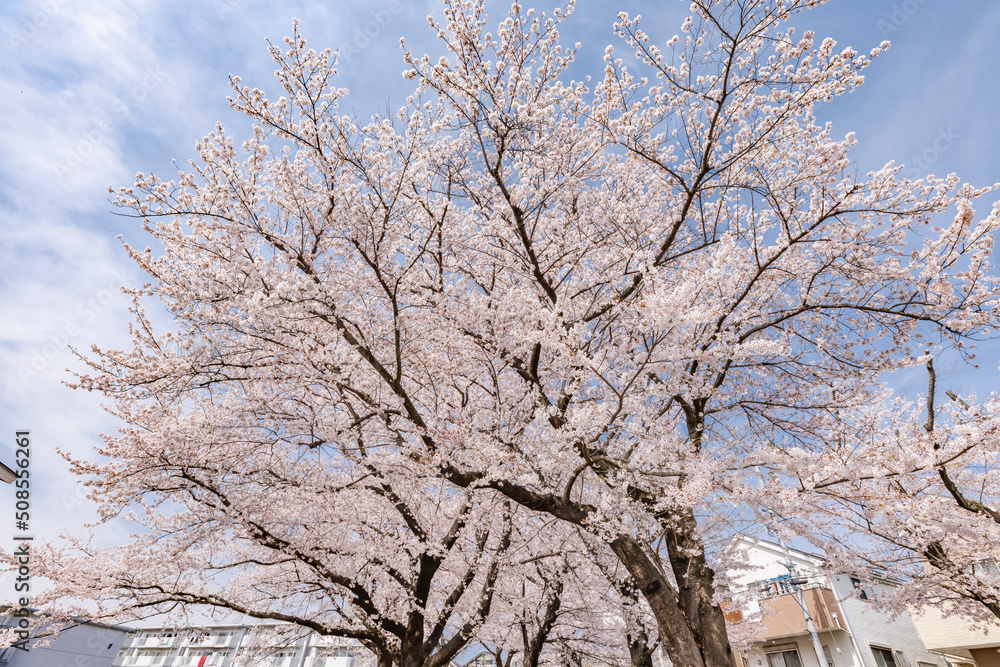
(93, 91)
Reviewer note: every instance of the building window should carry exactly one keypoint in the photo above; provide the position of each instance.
(856, 583)
(885, 658)
(789, 658)
(864, 592)
(986, 566)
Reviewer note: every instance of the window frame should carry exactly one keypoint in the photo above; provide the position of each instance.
(781, 650)
(880, 659)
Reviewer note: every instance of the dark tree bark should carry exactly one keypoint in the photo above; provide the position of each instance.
(692, 629)
(640, 654)
(384, 658)
(534, 642)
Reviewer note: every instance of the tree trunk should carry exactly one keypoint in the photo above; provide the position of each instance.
(696, 582)
(384, 658)
(411, 656)
(640, 654)
(411, 649)
(533, 645)
(692, 630)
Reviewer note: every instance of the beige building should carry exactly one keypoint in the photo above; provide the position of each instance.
(957, 637)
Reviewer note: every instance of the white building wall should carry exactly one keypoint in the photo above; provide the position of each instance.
(766, 561)
(223, 646)
(802, 645)
(78, 646)
(871, 627)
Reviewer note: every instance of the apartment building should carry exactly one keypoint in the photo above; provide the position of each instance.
(850, 631)
(80, 644)
(264, 645)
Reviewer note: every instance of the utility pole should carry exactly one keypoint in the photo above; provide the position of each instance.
(795, 582)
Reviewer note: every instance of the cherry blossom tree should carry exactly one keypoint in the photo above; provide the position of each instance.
(535, 602)
(639, 626)
(403, 566)
(565, 599)
(626, 304)
(535, 614)
(917, 485)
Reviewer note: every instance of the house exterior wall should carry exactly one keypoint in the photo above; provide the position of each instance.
(837, 641)
(765, 560)
(848, 626)
(782, 616)
(986, 657)
(871, 627)
(84, 645)
(948, 633)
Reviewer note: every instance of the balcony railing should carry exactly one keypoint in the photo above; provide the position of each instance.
(145, 660)
(780, 612)
(769, 588)
(211, 639)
